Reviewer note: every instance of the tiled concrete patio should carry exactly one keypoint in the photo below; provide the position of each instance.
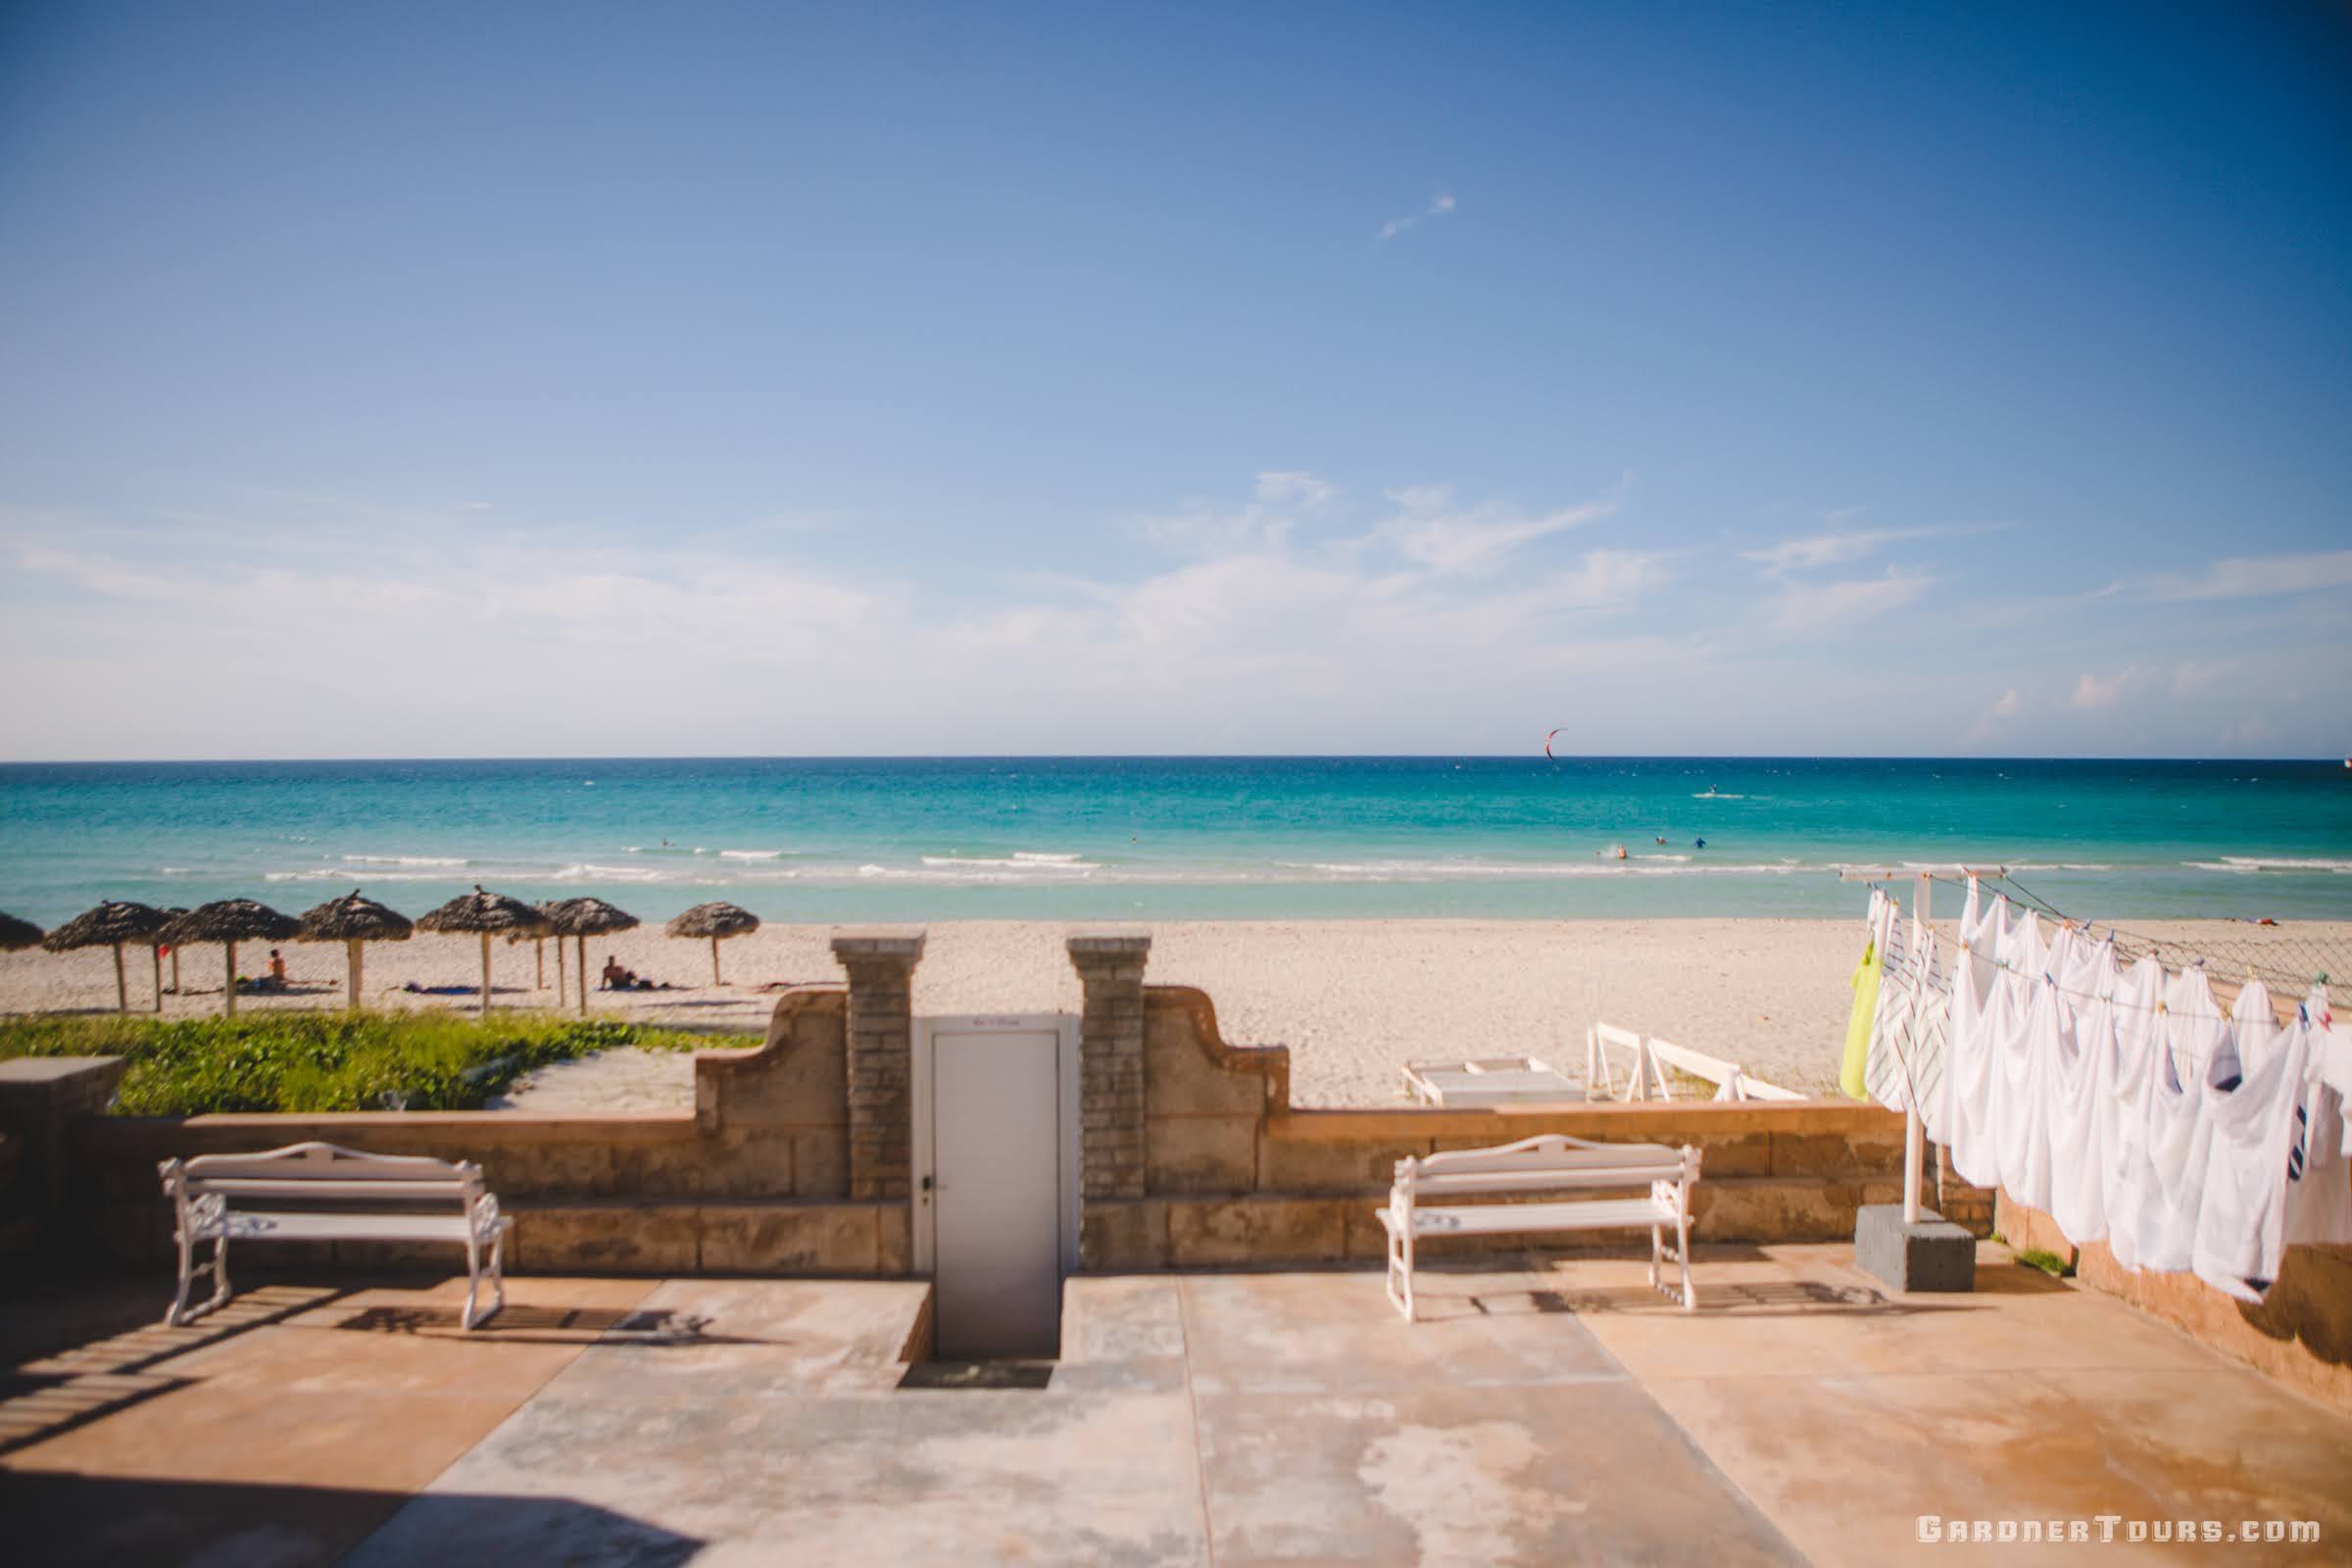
(1553, 1413)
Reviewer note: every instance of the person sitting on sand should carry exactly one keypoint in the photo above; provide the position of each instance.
(617, 978)
(277, 969)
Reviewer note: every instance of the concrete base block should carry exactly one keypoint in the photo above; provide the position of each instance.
(1933, 1254)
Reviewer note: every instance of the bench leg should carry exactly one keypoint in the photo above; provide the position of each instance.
(1657, 1243)
(181, 1312)
(1401, 1273)
(178, 1311)
(1682, 1247)
(474, 1314)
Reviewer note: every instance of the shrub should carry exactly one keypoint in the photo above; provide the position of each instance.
(321, 1062)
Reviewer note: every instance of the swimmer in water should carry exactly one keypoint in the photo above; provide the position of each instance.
(1662, 837)
(1701, 843)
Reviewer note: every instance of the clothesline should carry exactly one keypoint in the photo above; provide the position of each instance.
(2326, 963)
(2072, 1111)
(1934, 936)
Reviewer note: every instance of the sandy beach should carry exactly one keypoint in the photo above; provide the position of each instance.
(1355, 1000)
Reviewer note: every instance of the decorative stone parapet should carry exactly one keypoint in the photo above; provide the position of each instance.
(881, 964)
(1112, 1148)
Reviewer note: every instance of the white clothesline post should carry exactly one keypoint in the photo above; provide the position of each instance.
(1923, 903)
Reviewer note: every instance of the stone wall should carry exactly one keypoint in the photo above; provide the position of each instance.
(2301, 1333)
(755, 1180)
(795, 1157)
(1233, 1175)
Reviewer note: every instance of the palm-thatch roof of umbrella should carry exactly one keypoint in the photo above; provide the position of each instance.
(580, 919)
(110, 925)
(354, 919)
(230, 921)
(16, 934)
(715, 921)
(485, 915)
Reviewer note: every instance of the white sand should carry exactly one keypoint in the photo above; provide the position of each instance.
(1355, 1000)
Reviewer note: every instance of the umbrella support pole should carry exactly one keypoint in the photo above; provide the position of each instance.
(354, 946)
(229, 986)
(563, 984)
(539, 945)
(157, 954)
(714, 961)
(121, 987)
(485, 974)
(581, 953)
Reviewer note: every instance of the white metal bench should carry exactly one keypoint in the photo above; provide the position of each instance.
(1550, 1162)
(322, 1192)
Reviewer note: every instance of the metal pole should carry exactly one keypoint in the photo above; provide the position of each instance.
(1915, 1146)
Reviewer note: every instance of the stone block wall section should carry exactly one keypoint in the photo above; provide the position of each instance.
(1233, 1175)
(755, 1180)
(795, 1157)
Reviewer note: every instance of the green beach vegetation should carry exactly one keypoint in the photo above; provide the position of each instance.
(321, 1062)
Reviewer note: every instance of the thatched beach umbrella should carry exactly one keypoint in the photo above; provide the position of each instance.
(110, 925)
(580, 919)
(353, 920)
(230, 921)
(485, 913)
(717, 921)
(16, 934)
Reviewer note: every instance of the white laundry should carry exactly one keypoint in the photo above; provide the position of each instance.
(2081, 1070)
(2319, 1193)
(2254, 1136)
(1906, 1042)
(2152, 1214)
(1968, 1114)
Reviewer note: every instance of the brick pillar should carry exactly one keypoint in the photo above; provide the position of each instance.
(1110, 1061)
(881, 1045)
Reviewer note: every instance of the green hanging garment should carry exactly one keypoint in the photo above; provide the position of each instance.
(1857, 1027)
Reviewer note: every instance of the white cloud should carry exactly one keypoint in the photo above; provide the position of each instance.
(1281, 501)
(1296, 488)
(1456, 542)
(2261, 576)
(1439, 207)
(1835, 549)
(1814, 607)
(1988, 724)
(2103, 691)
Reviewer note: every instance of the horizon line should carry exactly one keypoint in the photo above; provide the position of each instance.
(1163, 757)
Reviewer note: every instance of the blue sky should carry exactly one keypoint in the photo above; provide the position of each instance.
(580, 380)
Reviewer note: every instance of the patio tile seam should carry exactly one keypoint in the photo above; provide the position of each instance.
(1192, 1403)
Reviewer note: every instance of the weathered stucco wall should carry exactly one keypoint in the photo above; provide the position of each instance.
(793, 1160)
(2301, 1334)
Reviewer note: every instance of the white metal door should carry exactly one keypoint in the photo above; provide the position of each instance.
(997, 1097)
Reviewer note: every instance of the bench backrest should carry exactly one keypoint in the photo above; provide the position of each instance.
(317, 1172)
(1548, 1162)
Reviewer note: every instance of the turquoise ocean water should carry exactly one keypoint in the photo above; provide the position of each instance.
(1172, 838)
